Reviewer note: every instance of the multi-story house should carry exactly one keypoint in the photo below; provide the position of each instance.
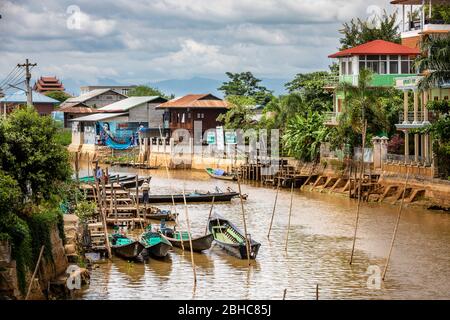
(418, 147)
(388, 61)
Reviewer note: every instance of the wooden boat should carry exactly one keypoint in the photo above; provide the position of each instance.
(220, 174)
(198, 244)
(192, 197)
(231, 239)
(125, 247)
(156, 213)
(155, 244)
(131, 183)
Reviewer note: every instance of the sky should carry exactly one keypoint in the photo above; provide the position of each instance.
(143, 41)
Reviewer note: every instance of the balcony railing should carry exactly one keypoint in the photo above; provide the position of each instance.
(429, 24)
(420, 116)
(407, 82)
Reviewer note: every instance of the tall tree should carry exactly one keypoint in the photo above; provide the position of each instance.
(246, 85)
(358, 31)
(61, 96)
(31, 154)
(303, 136)
(240, 113)
(436, 64)
(144, 90)
(311, 86)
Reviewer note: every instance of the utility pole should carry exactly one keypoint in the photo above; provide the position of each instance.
(27, 66)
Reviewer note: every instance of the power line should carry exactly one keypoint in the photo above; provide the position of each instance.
(16, 78)
(6, 79)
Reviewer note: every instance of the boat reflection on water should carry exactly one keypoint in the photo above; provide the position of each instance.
(133, 271)
(161, 268)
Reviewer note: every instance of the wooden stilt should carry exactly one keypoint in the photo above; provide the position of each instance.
(396, 225)
(247, 242)
(361, 175)
(36, 268)
(209, 216)
(190, 239)
(289, 221)
(274, 208)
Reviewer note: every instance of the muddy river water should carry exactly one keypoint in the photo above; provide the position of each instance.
(319, 248)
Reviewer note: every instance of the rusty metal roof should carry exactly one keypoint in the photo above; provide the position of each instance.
(195, 101)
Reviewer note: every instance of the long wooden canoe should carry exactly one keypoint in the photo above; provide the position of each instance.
(125, 247)
(155, 244)
(198, 244)
(191, 197)
(223, 176)
(231, 239)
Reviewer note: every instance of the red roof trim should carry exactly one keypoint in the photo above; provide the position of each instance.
(375, 47)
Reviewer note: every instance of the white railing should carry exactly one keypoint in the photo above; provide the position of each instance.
(407, 82)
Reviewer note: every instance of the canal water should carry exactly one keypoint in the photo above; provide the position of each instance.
(318, 252)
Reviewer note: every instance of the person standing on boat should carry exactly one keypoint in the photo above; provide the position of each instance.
(145, 189)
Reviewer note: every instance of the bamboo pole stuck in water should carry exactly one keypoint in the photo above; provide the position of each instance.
(210, 212)
(274, 207)
(361, 175)
(36, 268)
(284, 294)
(247, 243)
(189, 235)
(103, 213)
(290, 213)
(137, 203)
(317, 291)
(396, 225)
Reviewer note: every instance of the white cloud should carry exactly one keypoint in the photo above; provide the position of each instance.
(141, 40)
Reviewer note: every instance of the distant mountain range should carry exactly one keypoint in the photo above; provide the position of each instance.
(179, 87)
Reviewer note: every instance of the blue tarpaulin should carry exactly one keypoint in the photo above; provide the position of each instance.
(219, 172)
(118, 146)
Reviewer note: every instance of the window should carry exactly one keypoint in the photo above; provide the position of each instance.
(446, 98)
(393, 67)
(405, 67)
(373, 66)
(350, 68)
(183, 120)
(343, 67)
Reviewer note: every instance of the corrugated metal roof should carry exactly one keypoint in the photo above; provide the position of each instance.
(195, 101)
(128, 103)
(99, 116)
(377, 47)
(21, 97)
(91, 94)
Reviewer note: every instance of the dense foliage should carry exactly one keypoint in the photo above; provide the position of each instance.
(240, 113)
(245, 84)
(358, 31)
(144, 90)
(61, 96)
(303, 136)
(30, 152)
(34, 171)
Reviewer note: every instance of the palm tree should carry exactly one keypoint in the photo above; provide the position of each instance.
(435, 65)
(361, 103)
(304, 134)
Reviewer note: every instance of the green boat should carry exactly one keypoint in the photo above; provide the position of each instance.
(125, 247)
(155, 244)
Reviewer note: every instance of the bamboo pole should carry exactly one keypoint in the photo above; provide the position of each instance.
(317, 291)
(247, 243)
(77, 167)
(290, 213)
(274, 207)
(103, 213)
(210, 212)
(359, 190)
(189, 235)
(396, 225)
(137, 203)
(34, 273)
(284, 294)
